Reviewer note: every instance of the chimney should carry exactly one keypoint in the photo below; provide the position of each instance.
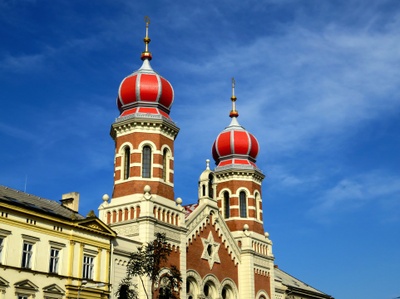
(70, 201)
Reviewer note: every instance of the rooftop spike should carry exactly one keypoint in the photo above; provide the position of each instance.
(146, 54)
(233, 112)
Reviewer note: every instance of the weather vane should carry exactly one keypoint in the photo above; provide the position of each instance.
(233, 113)
(147, 21)
(233, 86)
(146, 54)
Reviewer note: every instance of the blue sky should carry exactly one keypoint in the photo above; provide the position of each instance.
(318, 83)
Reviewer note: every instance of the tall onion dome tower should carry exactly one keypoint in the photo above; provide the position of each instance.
(237, 176)
(144, 136)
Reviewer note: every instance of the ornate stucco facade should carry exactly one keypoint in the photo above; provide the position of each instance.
(48, 250)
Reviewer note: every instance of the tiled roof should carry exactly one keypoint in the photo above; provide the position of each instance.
(190, 208)
(36, 203)
(293, 283)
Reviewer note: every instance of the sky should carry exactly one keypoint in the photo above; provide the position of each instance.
(317, 82)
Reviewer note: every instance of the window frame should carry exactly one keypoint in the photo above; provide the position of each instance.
(88, 266)
(146, 161)
(165, 172)
(227, 208)
(54, 260)
(210, 185)
(242, 204)
(2, 242)
(27, 255)
(126, 162)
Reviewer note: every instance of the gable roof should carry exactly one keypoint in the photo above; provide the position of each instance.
(295, 285)
(54, 289)
(37, 204)
(94, 224)
(190, 208)
(26, 284)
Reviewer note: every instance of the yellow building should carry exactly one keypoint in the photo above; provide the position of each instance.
(48, 250)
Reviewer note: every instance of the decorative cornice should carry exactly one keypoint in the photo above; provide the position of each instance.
(225, 174)
(128, 124)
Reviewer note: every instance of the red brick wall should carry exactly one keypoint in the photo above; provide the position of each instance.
(235, 224)
(132, 187)
(262, 282)
(226, 267)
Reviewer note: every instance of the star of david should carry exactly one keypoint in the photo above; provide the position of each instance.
(210, 251)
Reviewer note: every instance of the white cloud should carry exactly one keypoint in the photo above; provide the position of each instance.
(352, 193)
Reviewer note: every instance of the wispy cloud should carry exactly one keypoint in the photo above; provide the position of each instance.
(352, 193)
(16, 132)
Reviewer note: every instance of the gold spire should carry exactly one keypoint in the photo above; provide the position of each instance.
(233, 112)
(146, 54)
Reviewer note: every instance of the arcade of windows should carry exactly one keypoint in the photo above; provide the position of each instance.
(146, 163)
(209, 291)
(243, 205)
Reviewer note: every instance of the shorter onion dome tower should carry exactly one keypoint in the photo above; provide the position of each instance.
(144, 136)
(237, 177)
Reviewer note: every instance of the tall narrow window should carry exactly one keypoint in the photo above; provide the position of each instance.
(27, 252)
(226, 205)
(88, 265)
(257, 202)
(146, 162)
(54, 257)
(165, 165)
(1, 248)
(243, 204)
(210, 185)
(127, 161)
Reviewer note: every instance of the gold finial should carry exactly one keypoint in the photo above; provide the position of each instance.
(233, 112)
(146, 54)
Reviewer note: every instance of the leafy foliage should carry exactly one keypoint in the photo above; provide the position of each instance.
(150, 260)
(126, 289)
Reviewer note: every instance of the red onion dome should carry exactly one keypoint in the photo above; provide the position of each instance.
(145, 89)
(235, 146)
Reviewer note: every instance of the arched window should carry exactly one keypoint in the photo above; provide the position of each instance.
(257, 199)
(227, 293)
(165, 288)
(226, 205)
(192, 288)
(210, 185)
(127, 161)
(165, 165)
(243, 204)
(209, 290)
(146, 162)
